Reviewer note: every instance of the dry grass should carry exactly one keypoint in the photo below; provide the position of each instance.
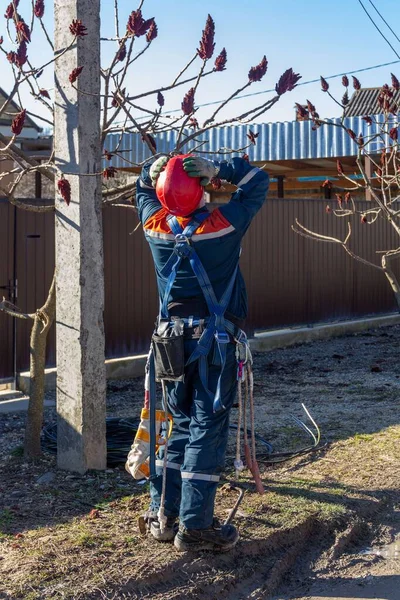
(77, 538)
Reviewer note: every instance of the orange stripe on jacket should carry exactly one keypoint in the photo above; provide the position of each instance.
(215, 222)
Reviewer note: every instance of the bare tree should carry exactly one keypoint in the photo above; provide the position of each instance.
(377, 177)
(123, 112)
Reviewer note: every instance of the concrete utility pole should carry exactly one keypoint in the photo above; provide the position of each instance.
(81, 379)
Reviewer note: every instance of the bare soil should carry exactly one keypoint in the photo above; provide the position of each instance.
(316, 532)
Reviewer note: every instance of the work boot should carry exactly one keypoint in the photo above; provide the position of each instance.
(170, 529)
(219, 538)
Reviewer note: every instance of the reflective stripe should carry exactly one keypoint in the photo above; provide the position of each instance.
(159, 235)
(197, 237)
(249, 176)
(170, 465)
(202, 476)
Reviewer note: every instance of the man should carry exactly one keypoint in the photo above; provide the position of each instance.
(202, 292)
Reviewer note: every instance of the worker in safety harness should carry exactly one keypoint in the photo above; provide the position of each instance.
(203, 305)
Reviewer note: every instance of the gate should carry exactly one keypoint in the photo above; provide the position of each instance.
(8, 289)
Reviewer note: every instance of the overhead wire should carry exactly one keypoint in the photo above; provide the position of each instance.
(302, 83)
(384, 20)
(376, 27)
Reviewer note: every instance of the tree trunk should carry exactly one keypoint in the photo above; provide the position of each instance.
(43, 321)
(391, 277)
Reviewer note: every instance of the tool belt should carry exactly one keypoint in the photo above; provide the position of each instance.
(168, 340)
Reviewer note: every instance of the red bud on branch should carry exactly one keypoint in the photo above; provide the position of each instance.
(220, 61)
(10, 10)
(252, 136)
(160, 99)
(339, 167)
(207, 45)
(77, 28)
(311, 107)
(109, 172)
(363, 219)
(327, 209)
(351, 134)
(345, 81)
(152, 32)
(387, 91)
(327, 183)
(257, 73)
(136, 25)
(347, 197)
(18, 122)
(64, 187)
(368, 120)
(108, 155)
(44, 93)
(360, 140)
(345, 99)
(188, 102)
(246, 157)
(115, 102)
(73, 76)
(39, 9)
(194, 124)
(11, 56)
(23, 31)
(301, 112)
(287, 82)
(394, 134)
(21, 56)
(324, 84)
(356, 83)
(149, 138)
(339, 199)
(395, 82)
(121, 54)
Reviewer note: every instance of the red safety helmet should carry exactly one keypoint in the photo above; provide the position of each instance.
(177, 192)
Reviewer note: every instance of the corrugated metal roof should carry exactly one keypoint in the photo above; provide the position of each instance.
(276, 141)
(365, 102)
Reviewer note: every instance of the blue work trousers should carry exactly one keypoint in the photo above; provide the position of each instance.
(196, 448)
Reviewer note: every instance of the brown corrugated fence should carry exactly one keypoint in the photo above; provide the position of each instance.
(290, 280)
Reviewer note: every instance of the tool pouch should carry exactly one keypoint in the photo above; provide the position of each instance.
(168, 349)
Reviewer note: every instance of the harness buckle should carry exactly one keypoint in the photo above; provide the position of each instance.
(222, 337)
(180, 237)
(182, 245)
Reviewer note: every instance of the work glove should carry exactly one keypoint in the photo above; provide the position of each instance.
(195, 166)
(156, 168)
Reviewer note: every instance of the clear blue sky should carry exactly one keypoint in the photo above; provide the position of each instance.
(315, 37)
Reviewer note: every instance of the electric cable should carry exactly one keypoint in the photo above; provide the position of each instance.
(301, 83)
(119, 435)
(271, 457)
(384, 20)
(376, 27)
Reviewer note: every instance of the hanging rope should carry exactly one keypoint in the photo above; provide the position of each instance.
(161, 511)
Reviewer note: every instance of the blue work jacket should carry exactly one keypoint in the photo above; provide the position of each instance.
(217, 241)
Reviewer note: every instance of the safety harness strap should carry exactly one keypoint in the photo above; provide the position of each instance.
(182, 250)
(152, 408)
(216, 326)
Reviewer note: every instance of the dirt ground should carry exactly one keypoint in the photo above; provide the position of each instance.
(327, 527)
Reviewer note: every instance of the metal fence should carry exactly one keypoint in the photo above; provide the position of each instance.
(290, 280)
